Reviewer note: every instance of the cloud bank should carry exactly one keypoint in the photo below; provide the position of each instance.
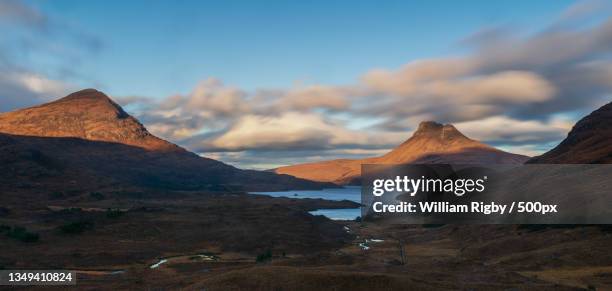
(518, 91)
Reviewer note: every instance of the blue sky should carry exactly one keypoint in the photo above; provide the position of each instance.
(158, 48)
(260, 84)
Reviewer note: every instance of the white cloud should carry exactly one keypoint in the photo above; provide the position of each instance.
(22, 89)
(212, 96)
(519, 87)
(39, 84)
(288, 130)
(315, 96)
(408, 79)
(505, 129)
(297, 130)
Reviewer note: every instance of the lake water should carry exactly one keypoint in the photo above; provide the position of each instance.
(351, 193)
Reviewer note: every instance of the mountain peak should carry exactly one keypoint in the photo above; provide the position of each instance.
(87, 114)
(92, 101)
(426, 126)
(438, 130)
(433, 138)
(88, 93)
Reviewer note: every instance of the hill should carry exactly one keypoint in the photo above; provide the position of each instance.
(587, 143)
(432, 142)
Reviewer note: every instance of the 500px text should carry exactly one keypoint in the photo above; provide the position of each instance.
(474, 207)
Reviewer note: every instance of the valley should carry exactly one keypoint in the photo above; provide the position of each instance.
(127, 210)
(212, 241)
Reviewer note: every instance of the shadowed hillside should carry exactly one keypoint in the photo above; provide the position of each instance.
(587, 143)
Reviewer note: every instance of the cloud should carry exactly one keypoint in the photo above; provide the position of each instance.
(405, 81)
(295, 131)
(37, 84)
(513, 89)
(579, 11)
(286, 130)
(20, 89)
(547, 50)
(210, 106)
(213, 97)
(29, 34)
(527, 76)
(17, 11)
(505, 130)
(424, 89)
(315, 96)
(214, 106)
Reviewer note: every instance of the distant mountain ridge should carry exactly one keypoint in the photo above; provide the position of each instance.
(86, 138)
(589, 141)
(431, 143)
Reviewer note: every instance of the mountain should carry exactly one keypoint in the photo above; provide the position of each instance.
(87, 114)
(587, 143)
(432, 142)
(87, 140)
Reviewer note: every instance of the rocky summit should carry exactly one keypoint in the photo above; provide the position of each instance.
(88, 114)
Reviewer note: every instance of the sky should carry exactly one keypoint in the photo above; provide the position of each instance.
(259, 84)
